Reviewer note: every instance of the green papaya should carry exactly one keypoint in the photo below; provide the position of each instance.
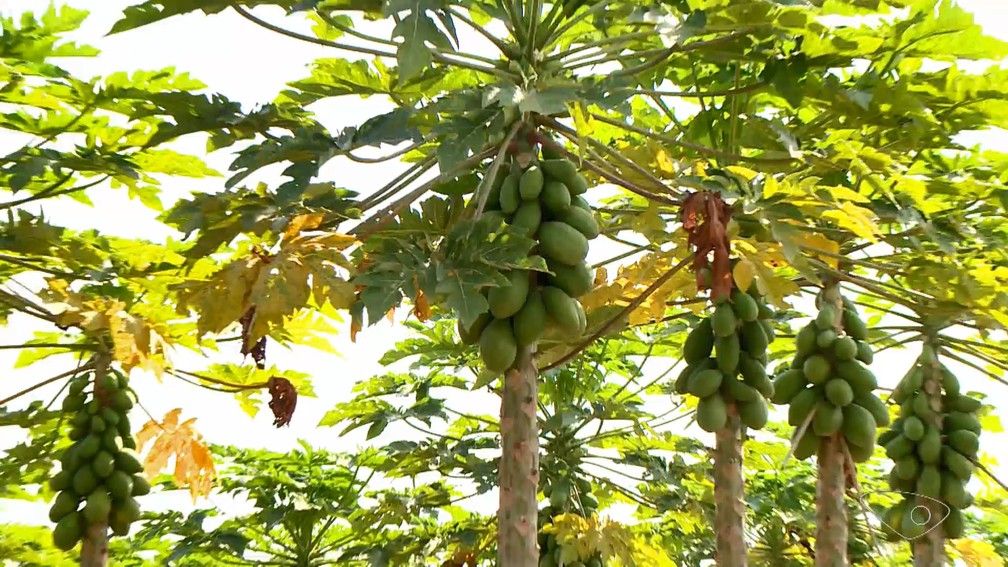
(860, 454)
(857, 375)
(88, 446)
(755, 338)
(952, 525)
(103, 464)
(140, 485)
(949, 382)
(683, 379)
(121, 401)
(471, 335)
(929, 482)
(506, 300)
(889, 434)
(953, 491)
(825, 340)
(914, 523)
(768, 329)
(493, 195)
(964, 441)
(854, 326)
(577, 185)
(555, 197)
(744, 306)
(913, 428)
(899, 447)
(530, 184)
(723, 321)
(922, 406)
(575, 280)
(845, 349)
(120, 485)
(878, 409)
(583, 221)
(97, 507)
(582, 319)
(65, 503)
(704, 383)
(498, 349)
(838, 392)
(964, 404)
(529, 322)
(562, 310)
(907, 468)
(128, 461)
(727, 352)
(858, 425)
(961, 421)
(98, 424)
(787, 385)
(957, 463)
(754, 374)
(510, 197)
(60, 481)
(738, 390)
(828, 419)
(816, 369)
(527, 218)
(561, 169)
(711, 413)
(67, 532)
(825, 318)
(754, 414)
(580, 203)
(699, 343)
(864, 352)
(84, 481)
(807, 445)
(802, 405)
(560, 242)
(897, 483)
(929, 447)
(805, 340)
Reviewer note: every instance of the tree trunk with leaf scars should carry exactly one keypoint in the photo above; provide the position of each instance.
(94, 546)
(519, 464)
(831, 520)
(729, 493)
(929, 550)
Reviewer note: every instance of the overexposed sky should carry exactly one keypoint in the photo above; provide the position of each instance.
(246, 63)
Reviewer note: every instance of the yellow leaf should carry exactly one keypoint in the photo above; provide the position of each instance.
(840, 194)
(858, 220)
(584, 124)
(194, 465)
(301, 223)
(743, 274)
(743, 172)
(977, 553)
(770, 187)
(818, 242)
(665, 162)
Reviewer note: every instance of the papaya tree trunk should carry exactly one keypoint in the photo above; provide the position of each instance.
(929, 549)
(519, 464)
(94, 548)
(729, 493)
(831, 513)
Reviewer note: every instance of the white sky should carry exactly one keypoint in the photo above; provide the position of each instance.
(246, 63)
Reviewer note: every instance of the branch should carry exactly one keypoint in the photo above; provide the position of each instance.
(989, 474)
(977, 367)
(46, 382)
(411, 174)
(387, 157)
(695, 94)
(483, 189)
(478, 29)
(623, 313)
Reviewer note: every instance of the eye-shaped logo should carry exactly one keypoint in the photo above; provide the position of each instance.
(923, 512)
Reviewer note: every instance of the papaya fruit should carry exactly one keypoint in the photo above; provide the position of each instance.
(754, 374)
(529, 322)
(875, 406)
(109, 416)
(861, 454)
(825, 340)
(845, 349)
(88, 446)
(140, 485)
(754, 413)
(897, 483)
(580, 202)
(907, 468)
(121, 401)
(738, 390)
(744, 306)
(60, 481)
(889, 434)
(120, 485)
(506, 300)
(723, 321)
(97, 507)
(864, 352)
(527, 218)
(768, 329)
(828, 419)
(581, 220)
(787, 385)
(929, 447)
(858, 425)
(755, 338)
(555, 197)
(964, 404)
(67, 532)
(683, 378)
(65, 503)
(949, 382)
(952, 525)
(704, 383)
(807, 445)
(961, 421)
(913, 428)
(964, 441)
(530, 184)
(471, 335)
(127, 441)
(857, 375)
(560, 242)
(498, 349)
(128, 461)
(98, 424)
(84, 481)
(510, 198)
(727, 351)
(816, 369)
(922, 406)
(854, 326)
(561, 169)
(929, 482)
(953, 491)
(838, 392)
(914, 523)
(72, 403)
(575, 280)
(892, 520)
(711, 413)
(699, 342)
(562, 310)
(805, 340)
(899, 447)
(957, 463)
(802, 405)
(825, 318)
(103, 464)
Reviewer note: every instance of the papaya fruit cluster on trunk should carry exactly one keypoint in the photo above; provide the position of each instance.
(566, 495)
(933, 444)
(726, 356)
(829, 375)
(100, 474)
(544, 202)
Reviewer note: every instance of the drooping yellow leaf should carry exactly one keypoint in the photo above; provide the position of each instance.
(976, 553)
(743, 273)
(859, 220)
(169, 439)
(301, 223)
(633, 279)
(818, 242)
(770, 187)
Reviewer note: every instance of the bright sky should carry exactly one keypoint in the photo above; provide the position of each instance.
(246, 63)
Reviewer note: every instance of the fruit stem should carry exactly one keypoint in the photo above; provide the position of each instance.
(517, 515)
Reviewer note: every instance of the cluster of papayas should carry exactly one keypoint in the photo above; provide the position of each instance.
(933, 444)
(100, 473)
(566, 495)
(738, 333)
(542, 201)
(829, 375)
